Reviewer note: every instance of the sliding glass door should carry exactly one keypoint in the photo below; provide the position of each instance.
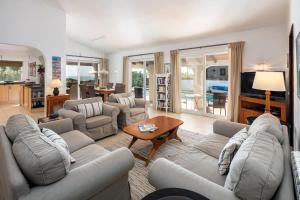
(142, 78)
(204, 82)
(80, 74)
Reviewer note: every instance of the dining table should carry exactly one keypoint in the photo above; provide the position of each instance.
(104, 92)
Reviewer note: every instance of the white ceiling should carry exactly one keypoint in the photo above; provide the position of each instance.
(124, 24)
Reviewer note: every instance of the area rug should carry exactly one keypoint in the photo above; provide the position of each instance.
(172, 150)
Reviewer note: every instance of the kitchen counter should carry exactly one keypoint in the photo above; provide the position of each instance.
(11, 83)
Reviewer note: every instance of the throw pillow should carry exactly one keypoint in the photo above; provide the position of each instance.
(42, 161)
(90, 109)
(129, 101)
(57, 139)
(267, 123)
(257, 168)
(230, 149)
(17, 124)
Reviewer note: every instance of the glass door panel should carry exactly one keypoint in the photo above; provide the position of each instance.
(88, 73)
(137, 78)
(149, 81)
(216, 89)
(72, 79)
(192, 84)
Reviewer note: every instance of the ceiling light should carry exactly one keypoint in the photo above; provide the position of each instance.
(98, 38)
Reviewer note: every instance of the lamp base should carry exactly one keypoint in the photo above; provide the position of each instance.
(268, 102)
(55, 92)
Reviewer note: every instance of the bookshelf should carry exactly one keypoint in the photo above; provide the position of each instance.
(163, 92)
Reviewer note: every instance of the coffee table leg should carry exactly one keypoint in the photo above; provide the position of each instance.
(134, 139)
(174, 135)
(156, 144)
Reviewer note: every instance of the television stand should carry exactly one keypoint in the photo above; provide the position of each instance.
(250, 107)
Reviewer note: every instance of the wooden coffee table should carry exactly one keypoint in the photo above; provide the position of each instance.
(167, 130)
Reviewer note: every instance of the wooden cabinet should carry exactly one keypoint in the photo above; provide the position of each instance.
(250, 107)
(33, 98)
(10, 93)
(54, 103)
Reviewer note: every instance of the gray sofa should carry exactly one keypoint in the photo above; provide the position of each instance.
(96, 127)
(96, 174)
(199, 172)
(129, 115)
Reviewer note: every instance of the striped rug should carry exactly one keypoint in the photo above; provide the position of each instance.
(172, 150)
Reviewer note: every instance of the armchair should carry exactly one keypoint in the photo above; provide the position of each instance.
(96, 127)
(129, 115)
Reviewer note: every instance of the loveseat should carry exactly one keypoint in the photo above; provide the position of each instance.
(96, 174)
(199, 172)
(96, 127)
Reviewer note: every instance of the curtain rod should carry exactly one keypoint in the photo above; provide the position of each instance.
(213, 45)
(84, 57)
(143, 54)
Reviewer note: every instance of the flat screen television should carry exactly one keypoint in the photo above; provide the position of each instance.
(247, 79)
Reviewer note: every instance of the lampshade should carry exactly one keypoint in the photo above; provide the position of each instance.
(55, 83)
(272, 81)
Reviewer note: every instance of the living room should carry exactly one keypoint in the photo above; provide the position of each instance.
(110, 99)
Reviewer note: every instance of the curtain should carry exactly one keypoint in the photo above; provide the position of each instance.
(175, 81)
(236, 63)
(104, 77)
(126, 72)
(158, 69)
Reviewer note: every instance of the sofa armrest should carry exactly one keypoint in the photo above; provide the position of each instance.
(165, 174)
(110, 110)
(140, 103)
(79, 120)
(123, 108)
(227, 128)
(59, 126)
(86, 181)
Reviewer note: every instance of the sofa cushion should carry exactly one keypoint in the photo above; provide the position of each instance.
(90, 109)
(42, 161)
(17, 124)
(129, 101)
(267, 123)
(97, 121)
(113, 97)
(87, 154)
(201, 164)
(212, 144)
(72, 104)
(55, 138)
(230, 149)
(76, 140)
(136, 111)
(257, 168)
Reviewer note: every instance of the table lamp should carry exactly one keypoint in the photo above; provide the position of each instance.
(268, 81)
(55, 84)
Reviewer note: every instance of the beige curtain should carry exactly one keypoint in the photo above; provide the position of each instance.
(126, 72)
(158, 69)
(175, 81)
(236, 63)
(104, 78)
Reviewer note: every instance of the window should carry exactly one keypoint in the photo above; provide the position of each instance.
(10, 71)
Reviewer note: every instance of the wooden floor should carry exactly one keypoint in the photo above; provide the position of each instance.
(194, 123)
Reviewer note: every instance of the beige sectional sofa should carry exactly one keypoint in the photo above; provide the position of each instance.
(96, 174)
(255, 180)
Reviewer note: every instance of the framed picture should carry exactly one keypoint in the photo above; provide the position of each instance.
(32, 69)
(298, 63)
(167, 68)
(56, 67)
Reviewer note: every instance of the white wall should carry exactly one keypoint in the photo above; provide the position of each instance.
(36, 24)
(266, 45)
(295, 19)
(75, 48)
